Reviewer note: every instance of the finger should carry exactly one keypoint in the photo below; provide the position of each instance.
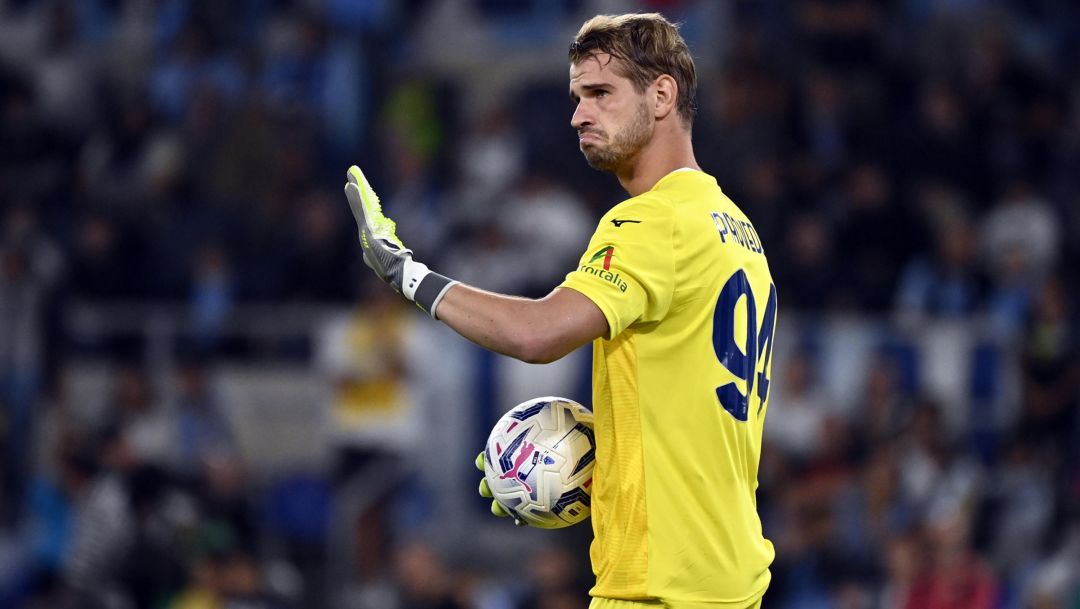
(480, 461)
(485, 490)
(499, 510)
(355, 176)
(366, 196)
(352, 193)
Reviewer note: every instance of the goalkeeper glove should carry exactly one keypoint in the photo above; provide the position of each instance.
(485, 491)
(385, 253)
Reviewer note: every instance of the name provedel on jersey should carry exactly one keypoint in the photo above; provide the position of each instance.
(737, 231)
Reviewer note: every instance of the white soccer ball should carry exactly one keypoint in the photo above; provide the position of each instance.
(539, 459)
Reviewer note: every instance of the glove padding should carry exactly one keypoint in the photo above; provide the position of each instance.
(485, 491)
(385, 254)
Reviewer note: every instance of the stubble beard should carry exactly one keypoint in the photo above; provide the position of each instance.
(624, 145)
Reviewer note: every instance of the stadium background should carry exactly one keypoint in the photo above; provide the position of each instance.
(208, 402)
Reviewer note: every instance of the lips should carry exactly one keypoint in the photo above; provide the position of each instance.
(589, 137)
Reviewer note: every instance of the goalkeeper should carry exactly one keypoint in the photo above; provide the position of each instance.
(675, 294)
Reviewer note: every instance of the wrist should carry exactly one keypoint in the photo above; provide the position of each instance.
(423, 286)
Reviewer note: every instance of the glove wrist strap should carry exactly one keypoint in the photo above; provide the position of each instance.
(430, 292)
(423, 286)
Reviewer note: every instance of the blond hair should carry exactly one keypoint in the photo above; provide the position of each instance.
(646, 46)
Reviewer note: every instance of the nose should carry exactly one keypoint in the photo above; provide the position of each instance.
(582, 117)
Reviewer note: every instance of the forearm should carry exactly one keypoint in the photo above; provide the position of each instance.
(534, 331)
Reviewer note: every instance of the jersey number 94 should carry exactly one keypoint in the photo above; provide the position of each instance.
(743, 363)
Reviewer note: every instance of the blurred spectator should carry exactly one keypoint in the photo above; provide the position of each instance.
(226, 508)
(936, 479)
(556, 581)
(1051, 371)
(64, 68)
(742, 115)
(421, 580)
(232, 580)
(954, 576)
(205, 433)
(807, 273)
(1055, 584)
(946, 142)
(126, 157)
(1022, 496)
(901, 558)
(35, 155)
(1011, 292)
(549, 226)
(212, 296)
(363, 355)
(30, 271)
(872, 510)
(766, 198)
(841, 33)
(1022, 225)
(193, 62)
(947, 283)
(146, 427)
(822, 122)
(797, 417)
(103, 526)
(884, 411)
(104, 261)
(492, 159)
(323, 251)
(868, 235)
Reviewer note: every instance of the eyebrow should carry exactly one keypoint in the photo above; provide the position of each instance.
(589, 87)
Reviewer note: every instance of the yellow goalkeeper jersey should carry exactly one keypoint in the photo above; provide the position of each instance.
(680, 391)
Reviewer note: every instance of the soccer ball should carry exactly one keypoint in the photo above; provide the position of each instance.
(538, 462)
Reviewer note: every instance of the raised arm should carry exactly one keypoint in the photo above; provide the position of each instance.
(535, 331)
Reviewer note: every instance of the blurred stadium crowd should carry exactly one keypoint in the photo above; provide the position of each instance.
(913, 168)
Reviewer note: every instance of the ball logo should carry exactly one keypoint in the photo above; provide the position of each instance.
(527, 450)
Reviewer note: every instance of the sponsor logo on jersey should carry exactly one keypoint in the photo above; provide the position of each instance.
(607, 253)
(608, 276)
(617, 222)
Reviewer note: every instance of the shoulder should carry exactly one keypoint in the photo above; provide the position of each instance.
(652, 206)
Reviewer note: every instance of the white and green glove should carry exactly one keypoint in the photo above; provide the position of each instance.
(485, 491)
(385, 253)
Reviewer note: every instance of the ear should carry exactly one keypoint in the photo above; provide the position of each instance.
(667, 93)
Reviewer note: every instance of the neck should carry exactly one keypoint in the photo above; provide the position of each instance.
(662, 155)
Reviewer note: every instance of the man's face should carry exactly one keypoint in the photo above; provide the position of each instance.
(612, 119)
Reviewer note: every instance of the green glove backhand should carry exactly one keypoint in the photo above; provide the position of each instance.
(485, 491)
(385, 253)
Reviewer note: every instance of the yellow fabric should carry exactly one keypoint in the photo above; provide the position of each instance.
(673, 504)
(613, 603)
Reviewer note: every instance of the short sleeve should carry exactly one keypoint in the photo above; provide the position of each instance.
(628, 269)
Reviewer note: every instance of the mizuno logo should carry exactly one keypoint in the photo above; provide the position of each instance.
(619, 223)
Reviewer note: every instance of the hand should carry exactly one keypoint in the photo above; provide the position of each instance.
(385, 253)
(485, 491)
